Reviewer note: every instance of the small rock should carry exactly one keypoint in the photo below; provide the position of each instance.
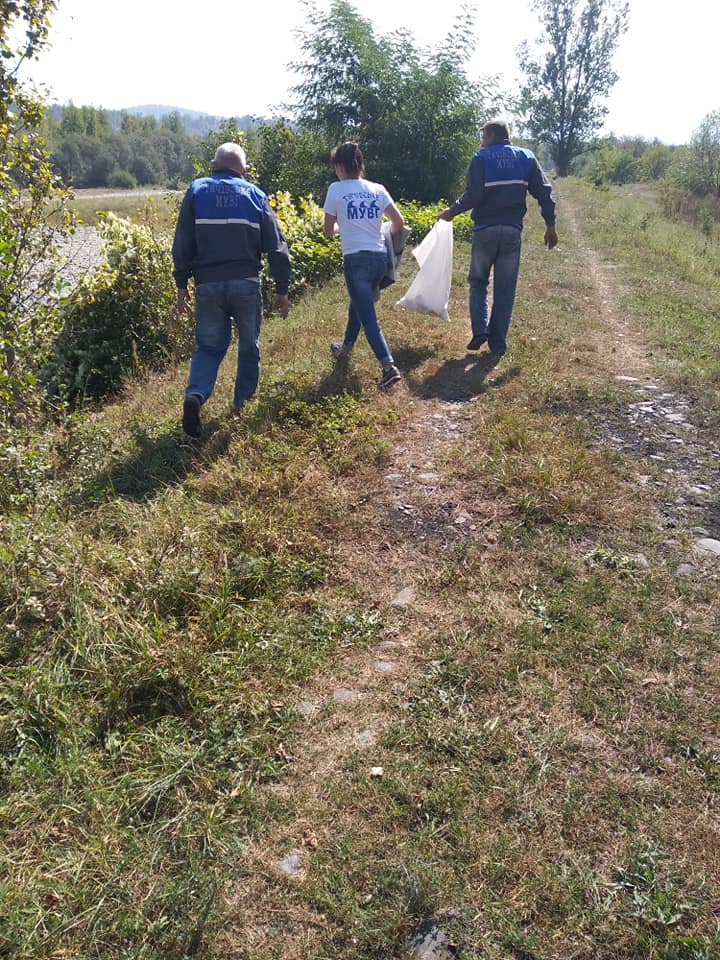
(307, 708)
(640, 561)
(431, 944)
(384, 666)
(364, 739)
(708, 546)
(685, 570)
(292, 865)
(404, 598)
(344, 695)
(386, 645)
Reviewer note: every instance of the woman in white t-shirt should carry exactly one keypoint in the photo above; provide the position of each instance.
(354, 207)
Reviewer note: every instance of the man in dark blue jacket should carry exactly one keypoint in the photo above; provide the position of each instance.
(498, 180)
(224, 227)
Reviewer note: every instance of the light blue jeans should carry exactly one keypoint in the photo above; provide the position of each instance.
(496, 247)
(363, 273)
(217, 306)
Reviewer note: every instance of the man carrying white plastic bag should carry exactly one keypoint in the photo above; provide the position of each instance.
(430, 290)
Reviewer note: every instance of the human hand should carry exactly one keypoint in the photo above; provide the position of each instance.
(281, 303)
(445, 215)
(551, 237)
(183, 301)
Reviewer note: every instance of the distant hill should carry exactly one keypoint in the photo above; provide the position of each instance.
(194, 121)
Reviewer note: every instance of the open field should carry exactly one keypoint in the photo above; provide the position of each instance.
(163, 204)
(361, 670)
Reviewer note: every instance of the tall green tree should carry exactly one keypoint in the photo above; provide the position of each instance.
(414, 112)
(291, 158)
(569, 73)
(33, 208)
(704, 157)
(341, 70)
(202, 151)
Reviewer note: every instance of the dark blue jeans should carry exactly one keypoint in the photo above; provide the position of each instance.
(363, 273)
(496, 247)
(217, 306)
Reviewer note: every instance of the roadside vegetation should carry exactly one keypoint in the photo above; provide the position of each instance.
(549, 749)
(223, 734)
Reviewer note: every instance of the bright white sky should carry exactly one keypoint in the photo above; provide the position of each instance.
(230, 59)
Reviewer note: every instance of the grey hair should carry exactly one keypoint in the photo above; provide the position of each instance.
(230, 156)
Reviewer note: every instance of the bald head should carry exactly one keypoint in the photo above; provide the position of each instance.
(230, 156)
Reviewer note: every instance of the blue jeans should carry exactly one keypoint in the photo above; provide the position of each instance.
(217, 305)
(497, 247)
(363, 273)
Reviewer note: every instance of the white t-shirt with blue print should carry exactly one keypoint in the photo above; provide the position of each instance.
(358, 206)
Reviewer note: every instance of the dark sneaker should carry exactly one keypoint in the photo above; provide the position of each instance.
(340, 351)
(477, 342)
(191, 415)
(389, 376)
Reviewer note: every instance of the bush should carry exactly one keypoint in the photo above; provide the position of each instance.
(122, 180)
(314, 258)
(421, 219)
(120, 319)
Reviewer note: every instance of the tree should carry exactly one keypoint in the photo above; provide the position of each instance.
(341, 70)
(413, 111)
(33, 210)
(290, 158)
(704, 166)
(561, 100)
(202, 151)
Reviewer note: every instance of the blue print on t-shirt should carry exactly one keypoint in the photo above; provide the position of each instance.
(362, 212)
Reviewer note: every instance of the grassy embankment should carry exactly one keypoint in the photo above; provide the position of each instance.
(134, 204)
(548, 738)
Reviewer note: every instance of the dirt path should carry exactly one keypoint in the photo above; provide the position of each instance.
(631, 356)
(660, 425)
(403, 528)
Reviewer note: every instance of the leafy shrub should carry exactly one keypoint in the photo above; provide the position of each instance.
(120, 318)
(122, 180)
(421, 219)
(314, 258)
(680, 206)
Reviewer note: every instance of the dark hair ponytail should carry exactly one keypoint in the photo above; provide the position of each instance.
(349, 156)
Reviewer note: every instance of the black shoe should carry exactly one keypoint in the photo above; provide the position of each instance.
(477, 342)
(191, 415)
(390, 375)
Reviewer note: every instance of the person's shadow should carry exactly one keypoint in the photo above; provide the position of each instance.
(166, 457)
(457, 381)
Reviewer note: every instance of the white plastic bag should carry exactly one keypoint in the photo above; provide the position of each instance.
(430, 290)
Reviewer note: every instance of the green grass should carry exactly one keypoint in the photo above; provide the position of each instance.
(549, 752)
(160, 204)
(673, 271)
